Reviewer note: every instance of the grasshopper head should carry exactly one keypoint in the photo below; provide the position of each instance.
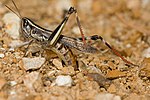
(25, 27)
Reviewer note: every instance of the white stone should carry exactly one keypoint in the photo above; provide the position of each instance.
(15, 43)
(33, 63)
(2, 55)
(107, 96)
(128, 45)
(30, 79)
(11, 49)
(12, 23)
(13, 83)
(2, 49)
(64, 80)
(12, 92)
(146, 53)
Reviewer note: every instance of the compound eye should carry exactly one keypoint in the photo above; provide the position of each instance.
(28, 28)
(26, 23)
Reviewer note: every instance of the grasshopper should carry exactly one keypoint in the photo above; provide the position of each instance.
(58, 43)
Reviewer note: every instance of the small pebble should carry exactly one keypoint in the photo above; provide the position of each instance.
(128, 45)
(112, 88)
(2, 55)
(33, 63)
(146, 53)
(12, 92)
(69, 70)
(57, 63)
(15, 43)
(2, 49)
(64, 80)
(11, 49)
(107, 96)
(30, 79)
(12, 83)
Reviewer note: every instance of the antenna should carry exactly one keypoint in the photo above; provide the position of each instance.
(16, 8)
(13, 10)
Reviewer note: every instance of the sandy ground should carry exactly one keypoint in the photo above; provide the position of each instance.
(124, 24)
